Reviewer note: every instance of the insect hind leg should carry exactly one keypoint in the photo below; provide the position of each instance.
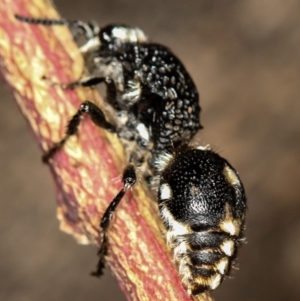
(129, 179)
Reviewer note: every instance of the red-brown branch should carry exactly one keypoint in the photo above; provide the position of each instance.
(84, 171)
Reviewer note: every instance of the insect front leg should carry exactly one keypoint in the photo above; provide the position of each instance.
(98, 118)
(128, 179)
(90, 81)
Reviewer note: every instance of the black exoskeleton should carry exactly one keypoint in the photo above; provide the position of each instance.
(155, 113)
(146, 83)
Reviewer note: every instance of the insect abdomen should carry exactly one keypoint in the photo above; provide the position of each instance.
(203, 258)
(202, 204)
(206, 261)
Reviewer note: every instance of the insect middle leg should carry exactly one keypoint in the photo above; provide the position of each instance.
(97, 116)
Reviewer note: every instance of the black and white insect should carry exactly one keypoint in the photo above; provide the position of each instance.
(155, 108)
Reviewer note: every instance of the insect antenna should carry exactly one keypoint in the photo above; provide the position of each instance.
(89, 30)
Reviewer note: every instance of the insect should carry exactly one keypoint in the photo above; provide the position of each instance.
(155, 107)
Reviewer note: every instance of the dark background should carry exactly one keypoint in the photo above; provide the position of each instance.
(244, 58)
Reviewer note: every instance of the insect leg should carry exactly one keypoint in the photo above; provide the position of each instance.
(91, 81)
(128, 179)
(88, 81)
(98, 118)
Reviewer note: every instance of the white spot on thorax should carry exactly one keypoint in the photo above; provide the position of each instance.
(204, 147)
(129, 35)
(165, 192)
(120, 33)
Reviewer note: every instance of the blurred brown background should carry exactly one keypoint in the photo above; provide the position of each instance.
(244, 58)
